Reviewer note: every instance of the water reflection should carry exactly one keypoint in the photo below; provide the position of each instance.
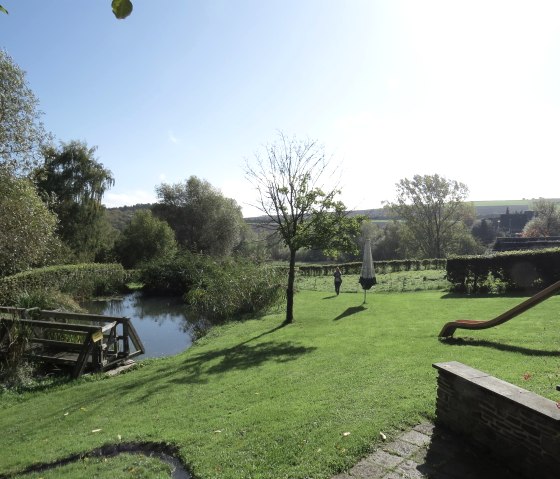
(161, 322)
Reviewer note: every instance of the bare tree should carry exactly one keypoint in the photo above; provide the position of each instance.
(288, 177)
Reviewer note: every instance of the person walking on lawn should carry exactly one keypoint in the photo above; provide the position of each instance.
(337, 280)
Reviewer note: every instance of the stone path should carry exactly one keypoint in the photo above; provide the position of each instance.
(428, 452)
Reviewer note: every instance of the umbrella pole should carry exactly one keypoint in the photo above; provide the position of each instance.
(365, 292)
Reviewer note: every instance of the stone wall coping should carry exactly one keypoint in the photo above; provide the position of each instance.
(521, 396)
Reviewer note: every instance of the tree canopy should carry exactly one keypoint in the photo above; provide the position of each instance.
(288, 178)
(546, 221)
(27, 227)
(121, 8)
(145, 238)
(203, 219)
(22, 133)
(73, 183)
(433, 209)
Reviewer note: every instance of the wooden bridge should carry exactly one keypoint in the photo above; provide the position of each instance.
(83, 342)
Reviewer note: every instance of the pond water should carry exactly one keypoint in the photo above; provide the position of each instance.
(160, 322)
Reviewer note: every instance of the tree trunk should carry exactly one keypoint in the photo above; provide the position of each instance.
(290, 290)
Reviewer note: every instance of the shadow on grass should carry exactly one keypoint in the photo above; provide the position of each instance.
(499, 346)
(330, 297)
(239, 357)
(350, 311)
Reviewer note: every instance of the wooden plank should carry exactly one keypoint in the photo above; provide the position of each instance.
(78, 316)
(69, 327)
(57, 344)
(134, 336)
(82, 357)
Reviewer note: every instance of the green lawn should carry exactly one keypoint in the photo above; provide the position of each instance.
(252, 400)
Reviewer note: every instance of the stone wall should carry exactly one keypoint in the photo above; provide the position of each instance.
(514, 424)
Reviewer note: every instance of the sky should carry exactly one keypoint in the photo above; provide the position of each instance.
(469, 90)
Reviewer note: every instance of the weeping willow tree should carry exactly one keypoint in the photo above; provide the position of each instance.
(73, 182)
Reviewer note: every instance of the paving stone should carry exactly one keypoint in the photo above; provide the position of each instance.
(385, 459)
(393, 475)
(401, 448)
(368, 470)
(409, 470)
(416, 455)
(425, 428)
(416, 437)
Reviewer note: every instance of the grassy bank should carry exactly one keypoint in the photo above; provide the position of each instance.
(254, 400)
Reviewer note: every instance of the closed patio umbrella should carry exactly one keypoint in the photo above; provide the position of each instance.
(367, 276)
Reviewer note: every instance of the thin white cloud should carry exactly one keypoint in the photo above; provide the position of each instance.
(172, 138)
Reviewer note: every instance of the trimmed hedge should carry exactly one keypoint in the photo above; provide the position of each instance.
(78, 280)
(508, 271)
(381, 267)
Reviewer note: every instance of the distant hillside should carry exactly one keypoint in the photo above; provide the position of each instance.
(499, 207)
(120, 216)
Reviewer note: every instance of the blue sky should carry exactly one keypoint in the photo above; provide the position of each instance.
(469, 90)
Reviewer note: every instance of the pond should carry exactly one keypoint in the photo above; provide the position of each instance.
(161, 322)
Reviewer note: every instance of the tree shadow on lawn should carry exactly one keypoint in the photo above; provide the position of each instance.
(196, 369)
(499, 346)
(239, 357)
(350, 311)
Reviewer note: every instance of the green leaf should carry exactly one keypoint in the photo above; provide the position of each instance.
(2, 9)
(121, 8)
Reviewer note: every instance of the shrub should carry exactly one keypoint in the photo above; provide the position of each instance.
(216, 289)
(14, 369)
(49, 299)
(79, 281)
(234, 288)
(173, 276)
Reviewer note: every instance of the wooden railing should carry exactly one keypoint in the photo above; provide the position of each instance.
(85, 342)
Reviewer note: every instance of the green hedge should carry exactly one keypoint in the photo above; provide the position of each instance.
(511, 271)
(381, 267)
(78, 280)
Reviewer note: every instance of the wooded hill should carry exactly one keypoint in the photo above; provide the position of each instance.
(120, 216)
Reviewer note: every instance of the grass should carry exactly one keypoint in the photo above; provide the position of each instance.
(403, 281)
(256, 400)
(124, 466)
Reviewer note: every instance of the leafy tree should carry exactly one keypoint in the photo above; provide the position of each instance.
(431, 206)
(74, 182)
(145, 238)
(21, 132)
(484, 231)
(27, 227)
(288, 179)
(121, 8)
(202, 218)
(391, 244)
(546, 221)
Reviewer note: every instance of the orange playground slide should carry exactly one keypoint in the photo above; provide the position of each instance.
(448, 330)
